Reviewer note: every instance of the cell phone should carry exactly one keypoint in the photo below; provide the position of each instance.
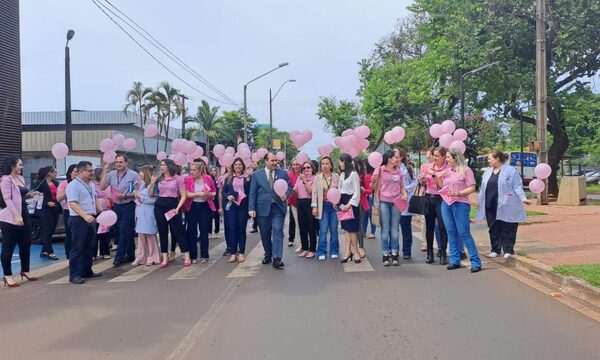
(131, 188)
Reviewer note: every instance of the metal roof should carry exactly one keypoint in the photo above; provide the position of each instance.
(79, 117)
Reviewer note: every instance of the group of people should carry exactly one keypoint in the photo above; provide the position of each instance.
(185, 205)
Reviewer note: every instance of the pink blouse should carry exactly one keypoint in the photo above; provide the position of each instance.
(391, 183)
(301, 188)
(453, 182)
(170, 188)
(238, 184)
(431, 188)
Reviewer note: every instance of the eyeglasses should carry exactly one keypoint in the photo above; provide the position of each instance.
(90, 170)
(307, 168)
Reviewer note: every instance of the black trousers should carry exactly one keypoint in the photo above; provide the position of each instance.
(308, 233)
(503, 235)
(13, 235)
(82, 247)
(175, 225)
(66, 216)
(216, 218)
(292, 225)
(103, 241)
(48, 219)
(435, 213)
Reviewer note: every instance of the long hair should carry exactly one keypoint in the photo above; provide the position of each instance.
(461, 163)
(147, 172)
(387, 156)
(232, 172)
(43, 172)
(98, 173)
(69, 171)
(359, 166)
(404, 159)
(348, 165)
(8, 164)
(172, 168)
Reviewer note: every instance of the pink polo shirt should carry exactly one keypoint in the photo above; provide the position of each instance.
(454, 181)
(391, 183)
(301, 188)
(169, 188)
(431, 188)
(61, 189)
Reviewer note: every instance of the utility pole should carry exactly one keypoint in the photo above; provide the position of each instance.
(270, 120)
(68, 122)
(183, 99)
(541, 91)
(245, 115)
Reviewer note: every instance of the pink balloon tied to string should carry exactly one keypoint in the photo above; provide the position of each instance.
(375, 159)
(280, 155)
(446, 140)
(389, 139)
(109, 157)
(398, 133)
(218, 150)
(436, 131)
(334, 195)
(448, 126)
(106, 145)
(280, 186)
(460, 134)
(543, 171)
(118, 139)
(161, 155)
(362, 131)
(537, 186)
(60, 151)
(129, 144)
(459, 145)
(226, 160)
(180, 158)
(107, 218)
(150, 131)
(302, 157)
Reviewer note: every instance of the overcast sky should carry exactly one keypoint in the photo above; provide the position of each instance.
(228, 42)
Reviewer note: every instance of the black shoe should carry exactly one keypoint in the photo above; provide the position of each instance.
(44, 254)
(227, 253)
(117, 263)
(444, 259)
(77, 281)
(266, 260)
(290, 243)
(453, 267)
(430, 259)
(254, 231)
(406, 257)
(93, 275)
(475, 269)
(52, 257)
(395, 260)
(278, 264)
(463, 255)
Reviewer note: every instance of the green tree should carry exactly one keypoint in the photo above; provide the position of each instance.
(166, 101)
(582, 111)
(207, 122)
(339, 115)
(136, 99)
(262, 136)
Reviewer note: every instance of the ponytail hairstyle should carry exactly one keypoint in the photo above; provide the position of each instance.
(499, 155)
(387, 156)
(404, 159)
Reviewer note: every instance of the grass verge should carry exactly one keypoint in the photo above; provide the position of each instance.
(587, 272)
(593, 188)
(592, 202)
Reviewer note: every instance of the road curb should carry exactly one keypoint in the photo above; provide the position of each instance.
(574, 287)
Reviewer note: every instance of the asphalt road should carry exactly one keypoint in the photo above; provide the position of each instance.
(311, 310)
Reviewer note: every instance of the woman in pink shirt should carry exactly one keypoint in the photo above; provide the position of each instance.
(103, 197)
(455, 184)
(306, 221)
(167, 210)
(427, 177)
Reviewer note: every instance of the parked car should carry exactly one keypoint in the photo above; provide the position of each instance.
(592, 177)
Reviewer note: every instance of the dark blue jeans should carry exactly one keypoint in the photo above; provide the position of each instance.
(199, 217)
(406, 227)
(83, 242)
(236, 220)
(125, 232)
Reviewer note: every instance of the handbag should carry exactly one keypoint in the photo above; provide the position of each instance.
(376, 210)
(418, 204)
(345, 215)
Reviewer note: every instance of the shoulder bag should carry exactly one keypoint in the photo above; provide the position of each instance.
(418, 204)
(375, 210)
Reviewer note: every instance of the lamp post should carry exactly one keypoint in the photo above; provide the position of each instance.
(245, 98)
(271, 99)
(68, 122)
(462, 88)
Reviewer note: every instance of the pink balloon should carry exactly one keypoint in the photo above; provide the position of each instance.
(230, 150)
(199, 152)
(446, 140)
(107, 218)
(280, 155)
(188, 147)
(436, 131)
(255, 157)
(205, 159)
(118, 139)
(398, 133)
(218, 150)
(107, 144)
(280, 186)
(302, 157)
(543, 171)
(161, 155)
(346, 132)
(150, 131)
(129, 144)
(176, 145)
(241, 146)
(180, 158)
(334, 195)
(536, 186)
(60, 151)
(388, 137)
(294, 133)
(109, 157)
(460, 134)
(375, 159)
(459, 145)
(336, 140)
(362, 132)
(245, 153)
(262, 152)
(226, 160)
(448, 126)
(190, 158)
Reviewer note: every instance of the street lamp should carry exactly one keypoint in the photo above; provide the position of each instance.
(271, 99)
(246, 103)
(68, 122)
(462, 88)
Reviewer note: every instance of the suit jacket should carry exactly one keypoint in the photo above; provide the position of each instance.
(190, 186)
(228, 190)
(262, 195)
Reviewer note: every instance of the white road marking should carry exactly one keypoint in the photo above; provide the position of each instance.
(251, 266)
(364, 265)
(135, 274)
(194, 271)
(98, 268)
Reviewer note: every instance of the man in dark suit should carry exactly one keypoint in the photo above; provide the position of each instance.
(269, 208)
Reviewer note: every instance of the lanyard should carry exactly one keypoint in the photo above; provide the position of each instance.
(121, 178)
(88, 188)
(328, 183)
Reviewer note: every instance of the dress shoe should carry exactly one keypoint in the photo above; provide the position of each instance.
(463, 255)
(290, 243)
(475, 269)
(28, 277)
(266, 260)
(453, 267)
(254, 231)
(444, 259)
(76, 281)
(93, 275)
(117, 263)
(278, 264)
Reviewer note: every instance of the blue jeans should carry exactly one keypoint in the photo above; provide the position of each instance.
(329, 221)
(236, 220)
(458, 227)
(406, 227)
(390, 232)
(367, 218)
(125, 232)
(199, 217)
(271, 232)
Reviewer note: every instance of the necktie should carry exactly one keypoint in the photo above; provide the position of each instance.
(271, 178)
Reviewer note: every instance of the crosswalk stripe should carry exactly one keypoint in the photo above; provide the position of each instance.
(98, 268)
(192, 272)
(252, 264)
(135, 274)
(364, 265)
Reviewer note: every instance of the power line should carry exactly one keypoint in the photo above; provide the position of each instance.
(168, 52)
(156, 59)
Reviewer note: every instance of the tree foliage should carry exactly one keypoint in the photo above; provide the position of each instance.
(339, 115)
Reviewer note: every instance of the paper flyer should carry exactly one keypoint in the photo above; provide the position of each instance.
(170, 214)
(103, 229)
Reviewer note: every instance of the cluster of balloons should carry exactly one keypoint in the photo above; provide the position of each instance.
(300, 138)
(226, 156)
(109, 147)
(394, 136)
(542, 172)
(353, 141)
(449, 136)
(183, 152)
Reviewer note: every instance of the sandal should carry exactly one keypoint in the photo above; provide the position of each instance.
(310, 255)
(395, 260)
(386, 260)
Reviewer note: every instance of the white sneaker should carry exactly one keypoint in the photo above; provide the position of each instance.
(298, 249)
(322, 257)
(334, 256)
(507, 256)
(492, 255)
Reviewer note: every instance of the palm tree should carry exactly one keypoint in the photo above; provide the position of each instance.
(136, 100)
(167, 102)
(206, 122)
